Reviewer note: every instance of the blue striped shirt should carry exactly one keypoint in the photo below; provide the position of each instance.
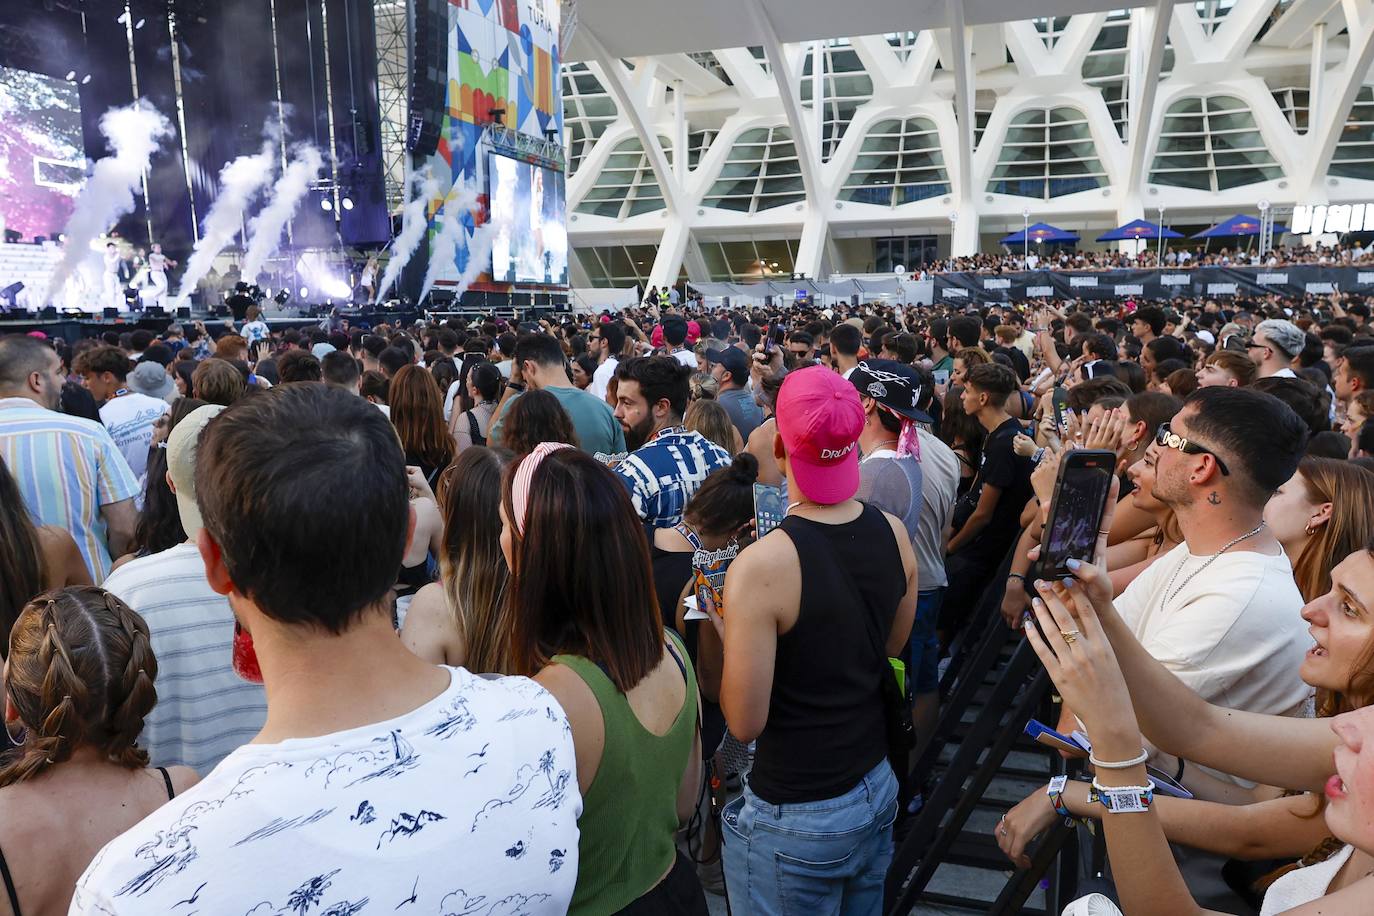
(66, 468)
(204, 710)
(665, 472)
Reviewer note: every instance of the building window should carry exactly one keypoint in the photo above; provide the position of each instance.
(1047, 153)
(846, 86)
(1292, 100)
(912, 252)
(1050, 28)
(902, 43)
(752, 259)
(698, 145)
(1211, 143)
(1104, 67)
(619, 266)
(1211, 12)
(626, 185)
(760, 172)
(1354, 156)
(711, 64)
(899, 162)
(587, 110)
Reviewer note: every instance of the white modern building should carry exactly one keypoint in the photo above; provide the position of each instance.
(721, 165)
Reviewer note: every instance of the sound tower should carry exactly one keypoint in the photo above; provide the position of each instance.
(428, 77)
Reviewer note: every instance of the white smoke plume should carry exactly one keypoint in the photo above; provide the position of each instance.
(414, 222)
(239, 183)
(264, 232)
(453, 235)
(134, 132)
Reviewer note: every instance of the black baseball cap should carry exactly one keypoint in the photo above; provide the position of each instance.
(894, 385)
(732, 358)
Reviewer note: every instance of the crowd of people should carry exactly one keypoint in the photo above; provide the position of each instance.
(1060, 257)
(607, 613)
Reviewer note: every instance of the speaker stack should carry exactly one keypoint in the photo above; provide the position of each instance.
(428, 77)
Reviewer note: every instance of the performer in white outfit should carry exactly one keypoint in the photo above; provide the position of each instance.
(110, 291)
(157, 274)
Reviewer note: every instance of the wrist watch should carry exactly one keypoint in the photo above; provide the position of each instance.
(1123, 799)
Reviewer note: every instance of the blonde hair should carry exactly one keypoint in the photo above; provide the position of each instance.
(711, 420)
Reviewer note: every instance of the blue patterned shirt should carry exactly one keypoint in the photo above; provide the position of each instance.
(665, 472)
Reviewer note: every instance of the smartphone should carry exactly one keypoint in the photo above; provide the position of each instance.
(770, 506)
(941, 376)
(1060, 400)
(768, 345)
(1076, 510)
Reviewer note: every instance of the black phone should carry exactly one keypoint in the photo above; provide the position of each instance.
(1060, 400)
(1076, 510)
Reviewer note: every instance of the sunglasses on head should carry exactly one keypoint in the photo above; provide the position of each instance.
(1166, 437)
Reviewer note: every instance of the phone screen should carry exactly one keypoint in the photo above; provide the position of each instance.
(770, 505)
(941, 376)
(1060, 399)
(1080, 499)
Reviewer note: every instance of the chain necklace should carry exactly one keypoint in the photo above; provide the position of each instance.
(1210, 560)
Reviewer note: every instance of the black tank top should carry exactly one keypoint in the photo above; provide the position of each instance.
(826, 727)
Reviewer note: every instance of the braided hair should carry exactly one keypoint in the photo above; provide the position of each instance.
(81, 673)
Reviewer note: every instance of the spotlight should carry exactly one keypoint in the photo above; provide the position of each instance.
(71, 75)
(139, 24)
(325, 204)
(304, 292)
(498, 115)
(85, 80)
(348, 203)
(282, 297)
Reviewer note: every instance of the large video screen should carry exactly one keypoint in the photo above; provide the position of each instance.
(528, 210)
(42, 161)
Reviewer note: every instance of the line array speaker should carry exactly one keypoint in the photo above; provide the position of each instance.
(428, 77)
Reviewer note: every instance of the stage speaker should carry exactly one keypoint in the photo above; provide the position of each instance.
(49, 312)
(111, 312)
(183, 312)
(428, 77)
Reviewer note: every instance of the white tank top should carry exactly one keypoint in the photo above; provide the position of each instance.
(1303, 885)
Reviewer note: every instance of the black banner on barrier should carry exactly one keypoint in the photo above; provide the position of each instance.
(1293, 282)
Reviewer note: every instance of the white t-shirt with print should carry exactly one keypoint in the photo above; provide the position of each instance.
(468, 804)
(1233, 633)
(129, 419)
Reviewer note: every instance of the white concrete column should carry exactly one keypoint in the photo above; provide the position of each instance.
(672, 248)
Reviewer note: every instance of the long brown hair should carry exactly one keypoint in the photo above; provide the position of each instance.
(474, 573)
(417, 412)
(21, 560)
(1350, 490)
(582, 580)
(81, 673)
(535, 417)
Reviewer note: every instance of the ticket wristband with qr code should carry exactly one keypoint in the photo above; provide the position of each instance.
(1123, 799)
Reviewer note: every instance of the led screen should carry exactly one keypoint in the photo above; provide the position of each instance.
(528, 209)
(42, 163)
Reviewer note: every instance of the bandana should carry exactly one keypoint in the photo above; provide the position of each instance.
(520, 485)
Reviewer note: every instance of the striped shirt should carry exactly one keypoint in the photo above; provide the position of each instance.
(665, 472)
(66, 468)
(204, 710)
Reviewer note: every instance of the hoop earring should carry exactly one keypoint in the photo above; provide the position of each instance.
(17, 742)
(1309, 530)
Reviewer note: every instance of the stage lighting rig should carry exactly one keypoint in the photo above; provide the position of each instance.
(498, 115)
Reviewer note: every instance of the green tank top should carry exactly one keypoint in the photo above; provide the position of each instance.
(629, 814)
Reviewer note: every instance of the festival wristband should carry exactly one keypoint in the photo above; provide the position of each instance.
(1119, 764)
(1056, 794)
(1123, 799)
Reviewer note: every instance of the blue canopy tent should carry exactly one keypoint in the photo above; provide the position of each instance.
(1040, 232)
(1138, 229)
(1237, 225)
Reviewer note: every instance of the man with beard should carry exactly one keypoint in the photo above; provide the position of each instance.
(667, 463)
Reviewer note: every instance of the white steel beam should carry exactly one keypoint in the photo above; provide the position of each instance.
(964, 232)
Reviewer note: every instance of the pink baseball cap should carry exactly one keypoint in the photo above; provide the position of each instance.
(819, 418)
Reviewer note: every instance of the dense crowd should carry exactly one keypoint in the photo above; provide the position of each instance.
(1058, 257)
(605, 613)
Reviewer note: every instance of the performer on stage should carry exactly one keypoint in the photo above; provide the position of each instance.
(112, 291)
(157, 274)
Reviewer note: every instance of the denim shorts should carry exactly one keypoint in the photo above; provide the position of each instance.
(823, 857)
(924, 657)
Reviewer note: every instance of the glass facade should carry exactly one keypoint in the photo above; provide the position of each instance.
(1211, 143)
(587, 110)
(1354, 157)
(899, 162)
(846, 85)
(760, 172)
(626, 185)
(1047, 153)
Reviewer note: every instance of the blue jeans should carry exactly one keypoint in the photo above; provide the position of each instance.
(924, 663)
(813, 858)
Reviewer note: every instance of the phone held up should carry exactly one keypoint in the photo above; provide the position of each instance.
(770, 507)
(1076, 510)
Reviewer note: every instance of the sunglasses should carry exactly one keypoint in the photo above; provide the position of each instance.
(1166, 437)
